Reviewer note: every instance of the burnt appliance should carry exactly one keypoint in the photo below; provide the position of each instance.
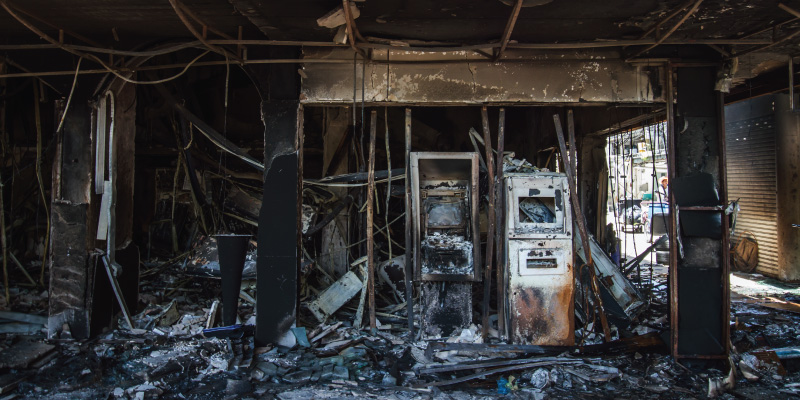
(540, 286)
(444, 210)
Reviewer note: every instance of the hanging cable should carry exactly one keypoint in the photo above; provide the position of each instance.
(69, 98)
(389, 179)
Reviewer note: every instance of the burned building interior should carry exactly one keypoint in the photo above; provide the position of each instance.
(409, 199)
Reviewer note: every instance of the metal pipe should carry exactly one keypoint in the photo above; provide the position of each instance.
(512, 20)
(110, 189)
(673, 247)
(370, 199)
(791, 83)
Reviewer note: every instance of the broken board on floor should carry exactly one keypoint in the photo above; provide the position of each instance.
(335, 296)
(23, 354)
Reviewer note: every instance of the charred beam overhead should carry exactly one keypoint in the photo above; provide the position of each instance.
(661, 38)
(785, 38)
(184, 14)
(352, 31)
(512, 20)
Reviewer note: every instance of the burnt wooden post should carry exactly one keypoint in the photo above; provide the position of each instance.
(69, 235)
(487, 275)
(499, 219)
(409, 226)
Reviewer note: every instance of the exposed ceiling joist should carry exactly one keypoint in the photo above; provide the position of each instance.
(672, 30)
(512, 20)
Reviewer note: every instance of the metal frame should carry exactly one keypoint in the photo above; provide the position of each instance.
(472, 188)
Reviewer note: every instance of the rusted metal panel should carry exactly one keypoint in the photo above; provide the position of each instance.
(459, 78)
(752, 174)
(541, 292)
(541, 289)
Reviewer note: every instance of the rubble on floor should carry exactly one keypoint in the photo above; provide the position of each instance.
(166, 356)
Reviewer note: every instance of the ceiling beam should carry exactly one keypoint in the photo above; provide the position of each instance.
(671, 31)
(352, 31)
(512, 20)
(775, 42)
(657, 26)
(53, 26)
(179, 11)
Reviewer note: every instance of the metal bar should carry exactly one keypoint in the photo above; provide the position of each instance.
(178, 7)
(38, 125)
(350, 26)
(673, 250)
(579, 218)
(500, 211)
(448, 48)
(512, 20)
(436, 369)
(61, 30)
(671, 15)
(774, 43)
(700, 208)
(573, 191)
(487, 273)
(635, 343)
(3, 232)
(197, 19)
(672, 30)
(577, 206)
(726, 254)
(370, 200)
(791, 83)
(788, 9)
(573, 149)
(409, 227)
(117, 291)
(494, 371)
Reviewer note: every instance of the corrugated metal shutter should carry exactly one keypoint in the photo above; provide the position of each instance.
(752, 174)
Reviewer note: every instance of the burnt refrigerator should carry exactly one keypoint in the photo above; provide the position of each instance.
(445, 247)
(539, 270)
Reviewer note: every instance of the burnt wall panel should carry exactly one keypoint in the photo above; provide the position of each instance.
(460, 77)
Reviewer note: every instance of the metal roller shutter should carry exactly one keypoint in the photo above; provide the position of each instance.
(752, 174)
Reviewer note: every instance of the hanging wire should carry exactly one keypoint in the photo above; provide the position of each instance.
(389, 183)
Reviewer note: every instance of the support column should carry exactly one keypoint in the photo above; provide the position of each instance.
(69, 234)
(787, 145)
(278, 226)
(699, 259)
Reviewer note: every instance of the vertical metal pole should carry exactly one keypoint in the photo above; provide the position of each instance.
(673, 249)
(723, 191)
(370, 242)
(487, 275)
(499, 219)
(791, 83)
(409, 227)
